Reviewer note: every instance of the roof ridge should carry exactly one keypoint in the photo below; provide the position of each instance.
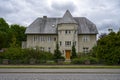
(67, 18)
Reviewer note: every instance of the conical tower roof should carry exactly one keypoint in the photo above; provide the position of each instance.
(67, 18)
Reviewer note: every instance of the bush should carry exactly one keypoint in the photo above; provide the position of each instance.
(85, 60)
(78, 61)
(50, 62)
(12, 54)
(23, 56)
(93, 60)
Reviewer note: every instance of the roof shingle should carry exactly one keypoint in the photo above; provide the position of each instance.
(67, 18)
(49, 25)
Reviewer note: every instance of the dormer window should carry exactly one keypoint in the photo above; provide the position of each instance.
(53, 25)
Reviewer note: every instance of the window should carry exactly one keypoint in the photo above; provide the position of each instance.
(85, 49)
(54, 38)
(60, 32)
(67, 43)
(74, 43)
(42, 38)
(85, 38)
(34, 37)
(49, 49)
(67, 31)
(60, 43)
(38, 38)
(75, 31)
(48, 38)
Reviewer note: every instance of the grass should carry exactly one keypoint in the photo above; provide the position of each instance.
(61, 66)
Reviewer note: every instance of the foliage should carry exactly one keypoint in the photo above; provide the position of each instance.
(12, 54)
(78, 61)
(23, 56)
(102, 35)
(107, 49)
(18, 32)
(2, 39)
(82, 60)
(3, 25)
(57, 53)
(8, 34)
(74, 54)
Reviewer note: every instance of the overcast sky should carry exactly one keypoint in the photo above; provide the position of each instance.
(104, 13)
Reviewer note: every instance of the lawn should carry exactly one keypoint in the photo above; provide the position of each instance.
(62, 66)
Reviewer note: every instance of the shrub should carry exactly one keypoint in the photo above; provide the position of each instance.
(78, 61)
(23, 56)
(50, 62)
(12, 54)
(85, 60)
(93, 60)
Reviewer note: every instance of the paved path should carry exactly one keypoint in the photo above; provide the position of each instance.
(116, 71)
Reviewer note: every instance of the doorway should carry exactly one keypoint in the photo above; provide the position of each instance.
(68, 52)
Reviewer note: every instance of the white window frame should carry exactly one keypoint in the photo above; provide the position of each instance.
(85, 38)
(67, 43)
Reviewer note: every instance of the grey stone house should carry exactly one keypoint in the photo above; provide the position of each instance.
(45, 32)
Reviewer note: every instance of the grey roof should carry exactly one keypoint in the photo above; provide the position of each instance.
(67, 18)
(49, 25)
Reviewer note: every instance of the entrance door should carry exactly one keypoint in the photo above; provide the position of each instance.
(68, 54)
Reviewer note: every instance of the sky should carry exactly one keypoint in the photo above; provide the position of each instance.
(104, 13)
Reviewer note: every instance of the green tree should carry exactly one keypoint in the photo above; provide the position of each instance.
(74, 54)
(13, 43)
(1, 40)
(4, 28)
(19, 32)
(3, 25)
(107, 49)
(8, 32)
(57, 53)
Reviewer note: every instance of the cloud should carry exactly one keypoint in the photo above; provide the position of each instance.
(4, 10)
(102, 13)
(24, 12)
(63, 6)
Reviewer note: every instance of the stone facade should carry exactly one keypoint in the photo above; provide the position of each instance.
(46, 32)
(45, 42)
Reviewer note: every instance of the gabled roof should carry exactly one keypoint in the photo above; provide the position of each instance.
(67, 18)
(49, 25)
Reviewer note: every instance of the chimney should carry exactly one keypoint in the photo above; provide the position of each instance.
(44, 17)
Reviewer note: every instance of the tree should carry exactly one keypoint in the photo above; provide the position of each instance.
(3, 25)
(19, 32)
(4, 28)
(7, 32)
(57, 53)
(107, 49)
(13, 43)
(1, 40)
(102, 35)
(74, 54)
